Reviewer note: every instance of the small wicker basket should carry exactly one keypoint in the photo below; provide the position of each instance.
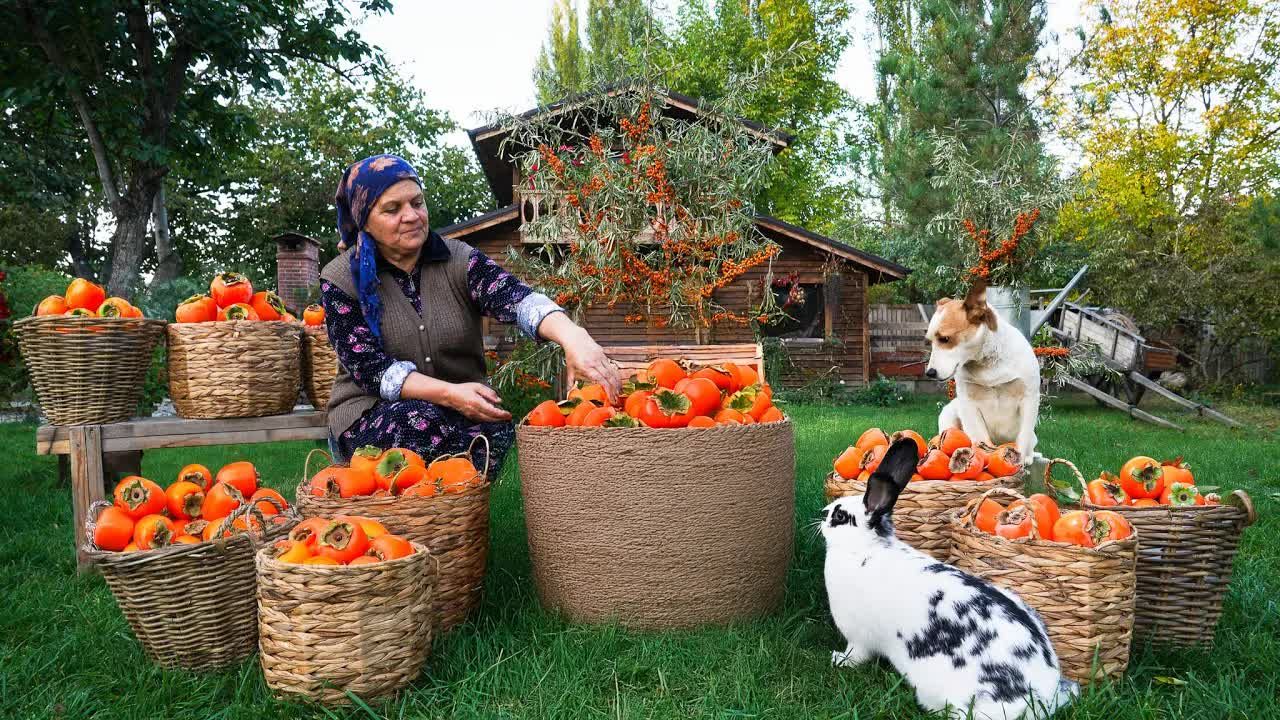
(922, 516)
(1085, 595)
(319, 365)
(234, 368)
(190, 606)
(87, 370)
(454, 527)
(331, 631)
(1184, 561)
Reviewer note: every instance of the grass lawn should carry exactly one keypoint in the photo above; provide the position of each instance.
(66, 652)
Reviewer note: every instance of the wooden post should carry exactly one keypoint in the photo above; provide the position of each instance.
(86, 481)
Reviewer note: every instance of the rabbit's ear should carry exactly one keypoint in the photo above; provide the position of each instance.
(889, 479)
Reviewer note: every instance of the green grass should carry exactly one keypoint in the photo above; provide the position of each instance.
(66, 652)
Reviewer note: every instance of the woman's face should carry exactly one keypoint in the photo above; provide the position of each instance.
(398, 222)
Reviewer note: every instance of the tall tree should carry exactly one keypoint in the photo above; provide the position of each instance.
(151, 82)
(560, 67)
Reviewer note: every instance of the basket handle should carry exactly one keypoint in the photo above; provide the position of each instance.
(91, 522)
(1084, 484)
(1241, 499)
(488, 452)
(250, 509)
(971, 509)
(306, 464)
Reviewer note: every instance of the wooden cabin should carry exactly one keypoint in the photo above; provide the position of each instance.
(828, 330)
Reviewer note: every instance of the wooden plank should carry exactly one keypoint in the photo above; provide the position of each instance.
(1120, 404)
(239, 437)
(56, 436)
(86, 482)
(1172, 396)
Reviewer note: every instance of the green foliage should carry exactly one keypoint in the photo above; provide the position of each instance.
(23, 288)
(525, 378)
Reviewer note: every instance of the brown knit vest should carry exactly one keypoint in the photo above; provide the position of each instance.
(446, 342)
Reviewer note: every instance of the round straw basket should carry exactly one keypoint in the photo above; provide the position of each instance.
(319, 365)
(87, 370)
(190, 606)
(922, 516)
(330, 630)
(453, 526)
(234, 368)
(659, 528)
(1085, 595)
(1184, 562)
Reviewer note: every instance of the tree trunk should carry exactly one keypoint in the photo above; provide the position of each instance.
(169, 263)
(78, 240)
(127, 242)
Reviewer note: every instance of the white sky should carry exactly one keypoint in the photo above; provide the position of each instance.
(471, 57)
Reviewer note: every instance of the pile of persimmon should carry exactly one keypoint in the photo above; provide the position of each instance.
(343, 540)
(1087, 528)
(231, 297)
(193, 509)
(950, 455)
(86, 299)
(1144, 482)
(395, 471)
(667, 394)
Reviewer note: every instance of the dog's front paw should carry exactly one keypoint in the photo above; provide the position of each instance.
(847, 658)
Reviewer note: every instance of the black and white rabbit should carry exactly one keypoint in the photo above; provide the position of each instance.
(965, 645)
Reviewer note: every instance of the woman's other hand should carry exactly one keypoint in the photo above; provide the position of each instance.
(477, 401)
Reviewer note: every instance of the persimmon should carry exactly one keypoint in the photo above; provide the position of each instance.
(313, 315)
(421, 489)
(987, 512)
(184, 499)
(921, 447)
(453, 474)
(952, 439)
(242, 474)
(408, 477)
(196, 309)
(372, 528)
(131, 547)
(702, 421)
(153, 531)
(197, 474)
(1179, 495)
(579, 412)
(737, 381)
(221, 500)
(985, 476)
(1212, 499)
(1145, 502)
(967, 462)
(365, 459)
(113, 529)
(665, 372)
(412, 457)
(338, 481)
(703, 393)
(1110, 525)
(230, 288)
(864, 476)
(320, 560)
(185, 540)
(1004, 461)
(728, 415)
(935, 465)
(292, 551)
(260, 500)
(116, 307)
(387, 467)
(1105, 491)
(192, 527)
(916, 477)
(772, 415)
(139, 496)
(748, 375)
(289, 317)
(365, 560)
(1046, 511)
(751, 401)
(52, 305)
(666, 409)
(872, 458)
(1014, 522)
(590, 391)
(238, 311)
(849, 463)
(85, 295)
(389, 547)
(268, 305)
(545, 414)
(717, 375)
(308, 531)
(1176, 471)
(81, 312)
(1142, 477)
(342, 540)
(1075, 527)
(216, 529)
(134, 312)
(871, 438)
(599, 416)
(634, 403)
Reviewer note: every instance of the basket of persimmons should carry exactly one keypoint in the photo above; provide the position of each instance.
(668, 506)
(319, 359)
(87, 354)
(234, 352)
(345, 609)
(952, 470)
(179, 560)
(442, 504)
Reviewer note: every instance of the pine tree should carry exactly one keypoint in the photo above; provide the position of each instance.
(560, 69)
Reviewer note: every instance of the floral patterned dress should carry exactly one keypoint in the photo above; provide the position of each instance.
(424, 427)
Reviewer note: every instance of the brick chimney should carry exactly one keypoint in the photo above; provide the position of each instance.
(297, 268)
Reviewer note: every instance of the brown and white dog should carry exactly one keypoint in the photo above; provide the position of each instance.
(996, 372)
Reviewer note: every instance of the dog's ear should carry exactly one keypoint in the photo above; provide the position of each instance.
(942, 301)
(976, 308)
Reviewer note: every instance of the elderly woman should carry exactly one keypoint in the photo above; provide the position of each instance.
(402, 309)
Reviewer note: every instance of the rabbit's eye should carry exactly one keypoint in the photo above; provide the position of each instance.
(840, 517)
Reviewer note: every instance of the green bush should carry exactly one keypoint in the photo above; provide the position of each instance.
(24, 286)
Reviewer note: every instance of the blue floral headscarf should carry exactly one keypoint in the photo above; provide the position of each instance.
(358, 191)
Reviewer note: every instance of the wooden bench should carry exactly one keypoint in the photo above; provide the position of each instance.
(630, 358)
(85, 445)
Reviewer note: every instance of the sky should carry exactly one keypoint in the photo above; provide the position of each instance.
(472, 57)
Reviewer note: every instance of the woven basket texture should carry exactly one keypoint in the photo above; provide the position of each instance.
(319, 365)
(659, 528)
(190, 606)
(327, 631)
(922, 516)
(234, 368)
(1185, 562)
(86, 370)
(1085, 595)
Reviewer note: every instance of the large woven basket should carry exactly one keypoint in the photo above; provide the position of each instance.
(453, 526)
(331, 631)
(922, 516)
(659, 528)
(87, 370)
(319, 365)
(1185, 562)
(1085, 595)
(234, 368)
(190, 606)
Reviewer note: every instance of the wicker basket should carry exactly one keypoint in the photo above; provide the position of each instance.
(1184, 561)
(922, 517)
(234, 368)
(190, 606)
(87, 370)
(319, 365)
(1085, 595)
(331, 631)
(453, 526)
(659, 528)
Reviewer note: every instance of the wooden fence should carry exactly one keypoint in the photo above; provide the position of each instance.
(897, 340)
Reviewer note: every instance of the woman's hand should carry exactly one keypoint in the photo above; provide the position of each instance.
(478, 402)
(584, 358)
